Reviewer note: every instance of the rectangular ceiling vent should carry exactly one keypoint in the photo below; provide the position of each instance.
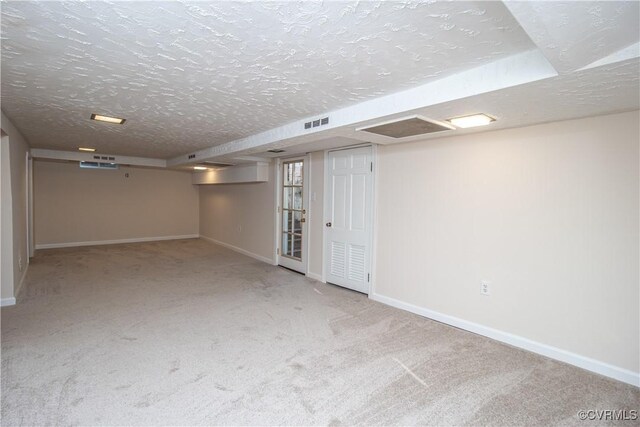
(98, 165)
(406, 127)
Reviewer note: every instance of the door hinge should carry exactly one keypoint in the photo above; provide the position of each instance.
(371, 166)
(278, 209)
(278, 251)
(368, 276)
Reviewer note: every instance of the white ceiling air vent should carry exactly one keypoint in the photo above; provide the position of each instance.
(407, 126)
(98, 165)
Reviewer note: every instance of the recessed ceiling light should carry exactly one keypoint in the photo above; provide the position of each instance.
(87, 149)
(200, 168)
(107, 119)
(472, 120)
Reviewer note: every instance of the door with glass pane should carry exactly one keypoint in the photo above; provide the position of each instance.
(293, 211)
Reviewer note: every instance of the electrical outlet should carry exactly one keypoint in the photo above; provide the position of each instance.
(485, 288)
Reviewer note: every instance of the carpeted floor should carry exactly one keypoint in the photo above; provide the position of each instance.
(189, 333)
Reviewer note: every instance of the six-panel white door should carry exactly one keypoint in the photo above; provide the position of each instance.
(349, 218)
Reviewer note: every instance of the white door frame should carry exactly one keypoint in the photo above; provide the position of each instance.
(29, 178)
(306, 199)
(373, 206)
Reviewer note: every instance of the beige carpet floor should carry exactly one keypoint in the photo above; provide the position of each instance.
(189, 333)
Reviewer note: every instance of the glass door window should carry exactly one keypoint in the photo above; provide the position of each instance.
(293, 214)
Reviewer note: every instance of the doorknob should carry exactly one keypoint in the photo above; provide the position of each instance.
(303, 220)
(328, 224)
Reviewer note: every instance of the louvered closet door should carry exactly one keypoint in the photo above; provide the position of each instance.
(349, 224)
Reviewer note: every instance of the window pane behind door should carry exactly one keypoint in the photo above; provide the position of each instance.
(292, 198)
(287, 221)
(292, 173)
(292, 245)
(288, 174)
(292, 221)
(297, 173)
(287, 198)
(297, 246)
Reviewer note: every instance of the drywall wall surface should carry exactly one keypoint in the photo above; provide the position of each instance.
(74, 205)
(240, 174)
(316, 213)
(240, 215)
(17, 250)
(6, 224)
(547, 214)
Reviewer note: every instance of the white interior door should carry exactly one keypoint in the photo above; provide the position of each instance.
(349, 218)
(292, 207)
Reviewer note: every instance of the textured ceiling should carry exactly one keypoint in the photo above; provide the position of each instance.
(608, 89)
(194, 75)
(574, 34)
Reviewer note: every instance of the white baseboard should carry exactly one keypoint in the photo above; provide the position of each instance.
(315, 276)
(239, 250)
(583, 362)
(5, 302)
(24, 274)
(114, 242)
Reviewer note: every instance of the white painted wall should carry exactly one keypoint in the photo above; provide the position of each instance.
(549, 214)
(240, 216)
(14, 209)
(6, 223)
(239, 174)
(79, 206)
(316, 214)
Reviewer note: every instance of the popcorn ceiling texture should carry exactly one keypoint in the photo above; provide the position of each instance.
(193, 75)
(574, 34)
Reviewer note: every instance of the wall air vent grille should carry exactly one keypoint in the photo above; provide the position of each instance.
(406, 127)
(315, 123)
(98, 165)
